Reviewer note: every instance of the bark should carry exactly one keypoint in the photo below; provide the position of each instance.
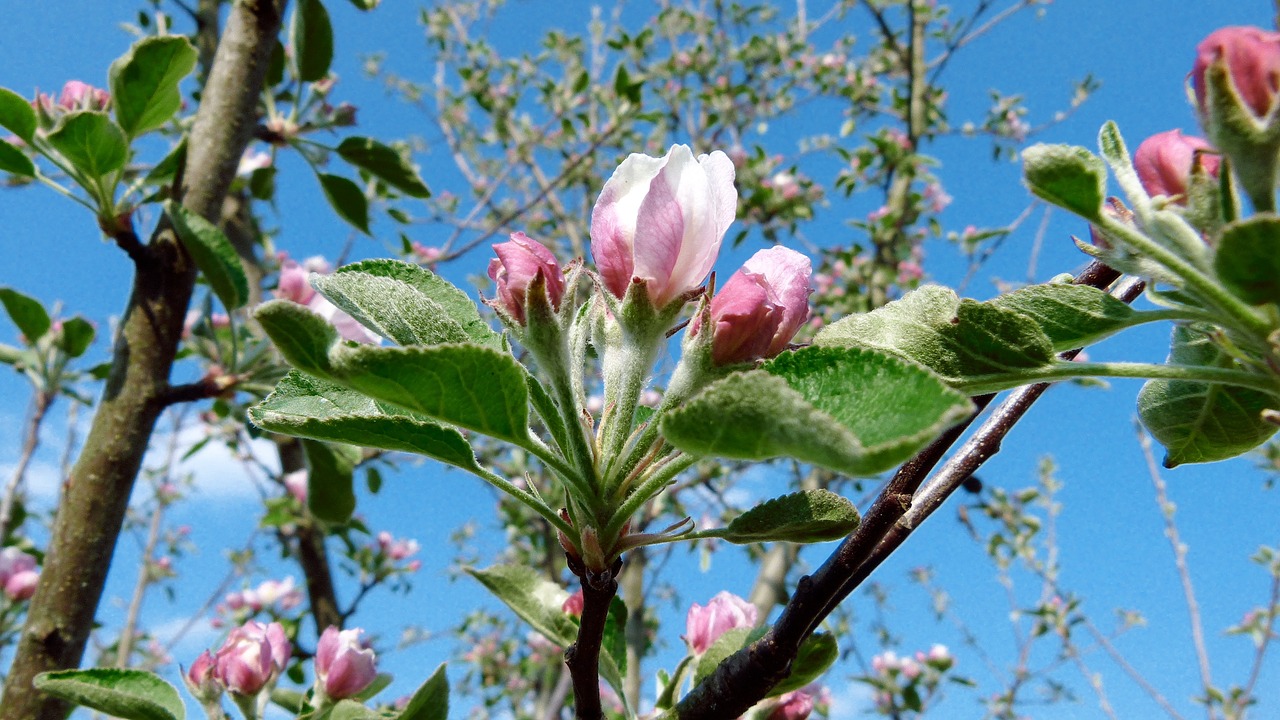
(96, 494)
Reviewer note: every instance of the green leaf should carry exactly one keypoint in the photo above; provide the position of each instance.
(453, 301)
(955, 338)
(818, 653)
(129, 694)
(16, 115)
(77, 335)
(1248, 259)
(305, 406)
(384, 163)
(144, 82)
(614, 643)
(27, 313)
(1068, 176)
(1203, 422)
(852, 410)
(347, 199)
(804, 517)
(330, 487)
(303, 337)
(537, 600)
(391, 307)
(352, 710)
(727, 644)
(380, 682)
(212, 253)
(311, 35)
(90, 142)
(167, 169)
(1071, 316)
(430, 701)
(465, 385)
(13, 160)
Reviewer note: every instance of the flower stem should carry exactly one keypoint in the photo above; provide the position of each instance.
(525, 497)
(660, 477)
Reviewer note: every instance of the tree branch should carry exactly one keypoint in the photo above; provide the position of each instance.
(583, 657)
(93, 506)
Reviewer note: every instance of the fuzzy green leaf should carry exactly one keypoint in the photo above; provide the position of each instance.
(730, 642)
(958, 339)
(1203, 422)
(430, 701)
(303, 337)
(311, 35)
(90, 142)
(1068, 176)
(1248, 259)
(128, 694)
(16, 115)
(807, 516)
(1071, 316)
(212, 253)
(26, 312)
(531, 596)
(818, 653)
(13, 160)
(384, 163)
(144, 82)
(852, 410)
(347, 199)
(330, 480)
(465, 385)
(305, 406)
(452, 301)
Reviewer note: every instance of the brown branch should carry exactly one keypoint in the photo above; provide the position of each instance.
(747, 676)
(92, 508)
(313, 557)
(583, 657)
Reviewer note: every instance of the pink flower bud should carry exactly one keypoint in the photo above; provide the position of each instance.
(1164, 162)
(661, 220)
(574, 603)
(761, 307)
(726, 611)
(83, 96)
(19, 574)
(22, 585)
(202, 680)
(1252, 57)
(519, 262)
(296, 483)
(343, 666)
(252, 656)
(293, 284)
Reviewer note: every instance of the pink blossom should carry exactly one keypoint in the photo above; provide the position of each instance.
(795, 705)
(427, 254)
(19, 574)
(253, 655)
(661, 220)
(761, 307)
(1252, 58)
(296, 484)
(343, 666)
(252, 161)
(726, 611)
(294, 285)
(519, 262)
(202, 679)
(282, 592)
(937, 197)
(574, 603)
(1164, 163)
(77, 95)
(396, 549)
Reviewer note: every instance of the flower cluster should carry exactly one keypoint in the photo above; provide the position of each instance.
(907, 683)
(19, 574)
(273, 595)
(249, 662)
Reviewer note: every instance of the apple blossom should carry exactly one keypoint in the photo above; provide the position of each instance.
(1164, 162)
(294, 285)
(343, 666)
(253, 655)
(574, 604)
(202, 679)
(661, 221)
(795, 705)
(761, 307)
(78, 95)
(1252, 58)
(519, 263)
(726, 611)
(296, 483)
(18, 574)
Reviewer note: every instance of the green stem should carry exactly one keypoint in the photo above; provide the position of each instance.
(1243, 315)
(983, 384)
(553, 460)
(634, 362)
(657, 480)
(527, 498)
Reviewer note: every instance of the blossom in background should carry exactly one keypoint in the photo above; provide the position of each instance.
(1164, 162)
(78, 95)
(761, 307)
(799, 704)
(282, 594)
(518, 263)
(251, 161)
(295, 286)
(252, 657)
(296, 484)
(396, 549)
(19, 574)
(574, 603)
(1252, 59)
(726, 611)
(344, 667)
(661, 221)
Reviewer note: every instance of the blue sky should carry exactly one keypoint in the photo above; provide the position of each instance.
(1112, 549)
